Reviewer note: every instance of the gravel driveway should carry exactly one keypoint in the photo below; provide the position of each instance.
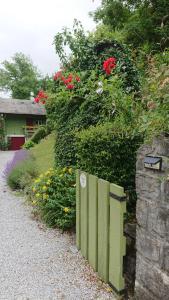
(37, 263)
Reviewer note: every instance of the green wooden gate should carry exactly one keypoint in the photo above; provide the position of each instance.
(100, 208)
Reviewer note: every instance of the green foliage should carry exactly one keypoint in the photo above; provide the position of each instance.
(103, 32)
(80, 47)
(39, 134)
(20, 77)
(22, 174)
(112, 152)
(43, 153)
(141, 21)
(88, 53)
(109, 152)
(79, 109)
(113, 13)
(29, 144)
(3, 143)
(54, 197)
(154, 119)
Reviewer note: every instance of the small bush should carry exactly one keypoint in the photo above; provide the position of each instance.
(53, 193)
(29, 144)
(22, 174)
(38, 135)
(110, 153)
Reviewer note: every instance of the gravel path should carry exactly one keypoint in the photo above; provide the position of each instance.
(37, 263)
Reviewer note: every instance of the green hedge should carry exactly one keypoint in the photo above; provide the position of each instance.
(110, 153)
(39, 134)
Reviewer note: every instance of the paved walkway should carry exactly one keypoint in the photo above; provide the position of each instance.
(38, 263)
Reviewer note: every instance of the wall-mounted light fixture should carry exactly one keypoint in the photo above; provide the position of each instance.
(153, 162)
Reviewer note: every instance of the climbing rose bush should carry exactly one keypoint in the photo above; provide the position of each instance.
(41, 97)
(109, 64)
(69, 81)
(53, 195)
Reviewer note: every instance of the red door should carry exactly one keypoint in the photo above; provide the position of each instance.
(16, 142)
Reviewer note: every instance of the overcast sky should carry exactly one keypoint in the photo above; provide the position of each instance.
(29, 26)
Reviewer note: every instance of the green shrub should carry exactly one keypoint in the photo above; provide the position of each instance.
(39, 134)
(22, 174)
(29, 144)
(110, 153)
(54, 197)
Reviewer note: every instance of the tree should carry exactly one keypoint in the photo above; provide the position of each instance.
(142, 21)
(19, 77)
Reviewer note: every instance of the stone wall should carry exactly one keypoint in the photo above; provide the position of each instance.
(152, 266)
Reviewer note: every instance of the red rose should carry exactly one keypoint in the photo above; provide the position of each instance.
(109, 65)
(67, 81)
(57, 75)
(77, 78)
(70, 86)
(41, 97)
(36, 100)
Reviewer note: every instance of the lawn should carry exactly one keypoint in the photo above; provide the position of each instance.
(44, 153)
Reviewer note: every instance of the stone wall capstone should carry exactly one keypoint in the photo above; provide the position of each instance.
(152, 239)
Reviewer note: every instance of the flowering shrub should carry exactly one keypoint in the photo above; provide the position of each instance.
(53, 194)
(21, 176)
(70, 81)
(18, 157)
(109, 64)
(41, 97)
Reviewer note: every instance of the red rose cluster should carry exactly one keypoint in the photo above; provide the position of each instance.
(69, 82)
(41, 97)
(109, 64)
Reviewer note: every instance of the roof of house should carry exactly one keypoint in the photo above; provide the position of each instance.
(23, 107)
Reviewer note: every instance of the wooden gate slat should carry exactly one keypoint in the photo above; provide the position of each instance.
(93, 221)
(78, 205)
(84, 217)
(103, 229)
(117, 240)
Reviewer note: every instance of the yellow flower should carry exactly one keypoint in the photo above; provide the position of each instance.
(48, 182)
(34, 202)
(44, 188)
(37, 195)
(66, 209)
